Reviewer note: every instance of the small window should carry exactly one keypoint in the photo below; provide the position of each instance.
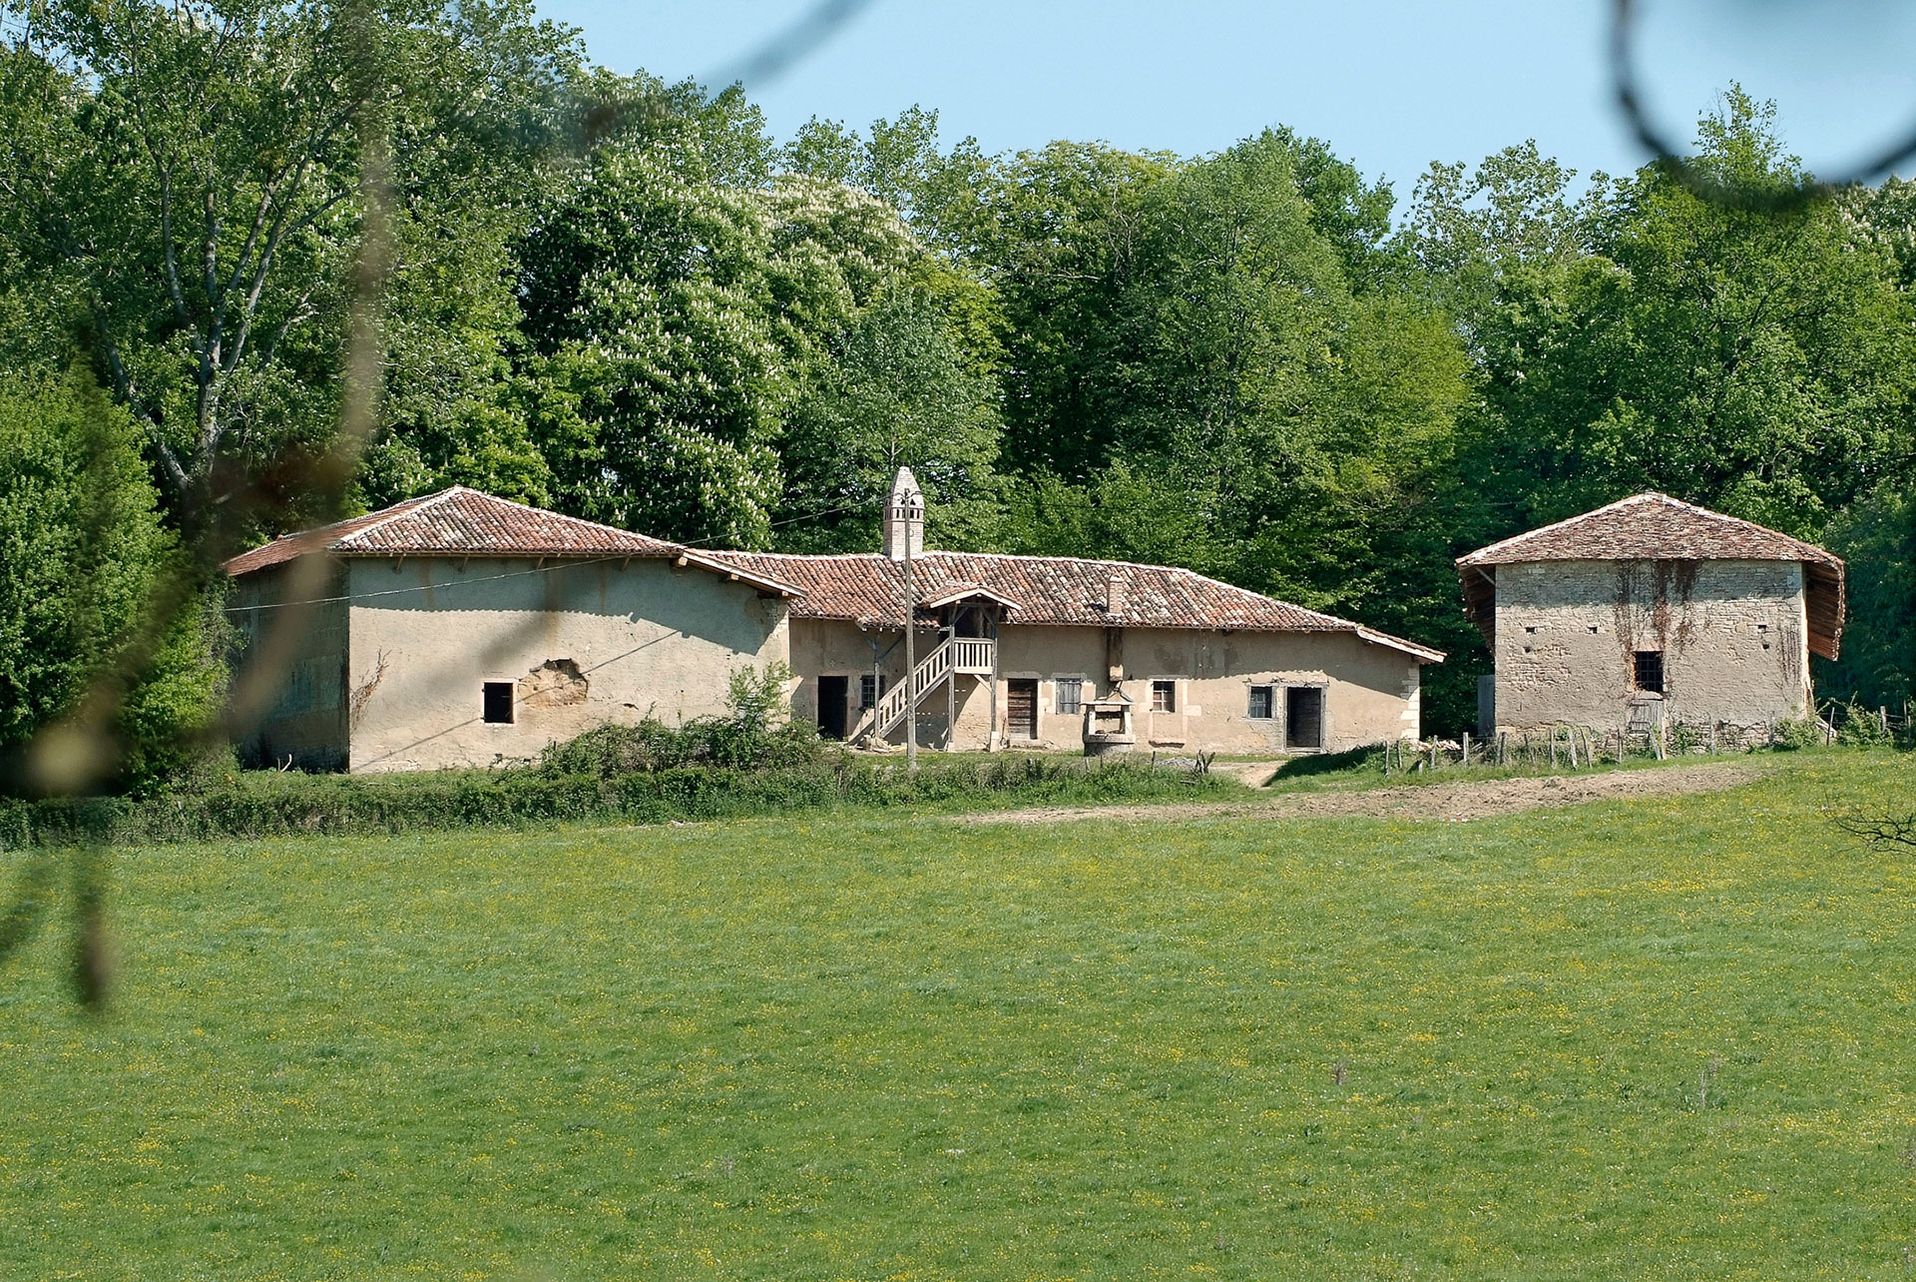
(1262, 704)
(1648, 671)
(1070, 696)
(496, 703)
(870, 688)
(1164, 696)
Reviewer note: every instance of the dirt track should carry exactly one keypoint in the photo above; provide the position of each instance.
(1453, 802)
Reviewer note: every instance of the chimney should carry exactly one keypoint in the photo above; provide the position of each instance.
(904, 517)
(1115, 596)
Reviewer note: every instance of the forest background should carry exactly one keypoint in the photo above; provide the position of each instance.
(627, 300)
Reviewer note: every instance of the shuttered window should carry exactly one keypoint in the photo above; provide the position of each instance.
(495, 704)
(1070, 696)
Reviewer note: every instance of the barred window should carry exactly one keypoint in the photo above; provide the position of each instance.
(1262, 703)
(870, 687)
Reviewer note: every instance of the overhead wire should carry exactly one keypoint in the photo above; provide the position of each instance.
(567, 564)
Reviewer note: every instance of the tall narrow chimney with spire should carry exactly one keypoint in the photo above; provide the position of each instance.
(905, 517)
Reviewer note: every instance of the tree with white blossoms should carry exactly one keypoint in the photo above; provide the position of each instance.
(678, 321)
(185, 196)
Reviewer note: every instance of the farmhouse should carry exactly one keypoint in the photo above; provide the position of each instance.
(1650, 613)
(461, 629)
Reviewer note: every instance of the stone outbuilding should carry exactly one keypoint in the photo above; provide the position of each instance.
(1651, 613)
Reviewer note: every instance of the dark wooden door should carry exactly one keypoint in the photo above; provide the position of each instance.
(1304, 717)
(833, 696)
(1021, 707)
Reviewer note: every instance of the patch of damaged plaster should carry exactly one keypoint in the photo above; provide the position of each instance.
(556, 683)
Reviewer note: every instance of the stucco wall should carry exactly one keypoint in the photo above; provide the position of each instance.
(583, 645)
(1372, 693)
(830, 647)
(1733, 635)
(307, 720)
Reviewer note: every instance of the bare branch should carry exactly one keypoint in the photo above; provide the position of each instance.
(173, 290)
(1880, 830)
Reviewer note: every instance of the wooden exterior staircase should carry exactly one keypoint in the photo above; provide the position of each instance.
(951, 657)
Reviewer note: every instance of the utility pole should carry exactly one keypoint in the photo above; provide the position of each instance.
(911, 655)
(905, 526)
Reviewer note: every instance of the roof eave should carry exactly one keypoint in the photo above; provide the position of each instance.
(1422, 653)
(736, 572)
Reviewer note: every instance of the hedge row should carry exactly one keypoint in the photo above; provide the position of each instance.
(267, 804)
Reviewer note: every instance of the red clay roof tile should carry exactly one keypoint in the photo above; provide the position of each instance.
(1656, 527)
(863, 587)
(1650, 527)
(1048, 590)
(466, 522)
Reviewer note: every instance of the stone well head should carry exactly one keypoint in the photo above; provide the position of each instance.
(1107, 725)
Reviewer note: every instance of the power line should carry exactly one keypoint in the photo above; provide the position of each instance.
(511, 574)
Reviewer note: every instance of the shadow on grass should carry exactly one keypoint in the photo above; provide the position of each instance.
(1369, 757)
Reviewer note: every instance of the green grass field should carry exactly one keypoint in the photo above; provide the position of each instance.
(1674, 1039)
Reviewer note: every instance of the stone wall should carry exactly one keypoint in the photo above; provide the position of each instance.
(1732, 635)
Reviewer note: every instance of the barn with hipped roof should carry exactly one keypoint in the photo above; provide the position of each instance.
(1652, 612)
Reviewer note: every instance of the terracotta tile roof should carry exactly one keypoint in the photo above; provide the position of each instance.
(466, 522)
(1650, 527)
(1048, 590)
(1656, 527)
(863, 587)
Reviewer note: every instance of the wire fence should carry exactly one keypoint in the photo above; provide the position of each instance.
(78, 755)
(1580, 746)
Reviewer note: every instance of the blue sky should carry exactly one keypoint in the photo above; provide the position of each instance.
(1391, 84)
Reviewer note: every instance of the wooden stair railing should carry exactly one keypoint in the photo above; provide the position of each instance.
(933, 669)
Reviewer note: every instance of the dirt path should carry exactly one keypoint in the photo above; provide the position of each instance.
(1452, 802)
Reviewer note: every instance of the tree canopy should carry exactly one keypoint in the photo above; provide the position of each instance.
(627, 299)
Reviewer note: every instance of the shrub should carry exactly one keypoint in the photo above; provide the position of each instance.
(84, 548)
(1859, 726)
(754, 734)
(1798, 733)
(265, 803)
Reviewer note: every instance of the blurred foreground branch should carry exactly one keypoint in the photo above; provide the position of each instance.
(1709, 186)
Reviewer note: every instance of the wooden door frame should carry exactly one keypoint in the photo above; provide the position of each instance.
(844, 715)
(1011, 731)
(1323, 715)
